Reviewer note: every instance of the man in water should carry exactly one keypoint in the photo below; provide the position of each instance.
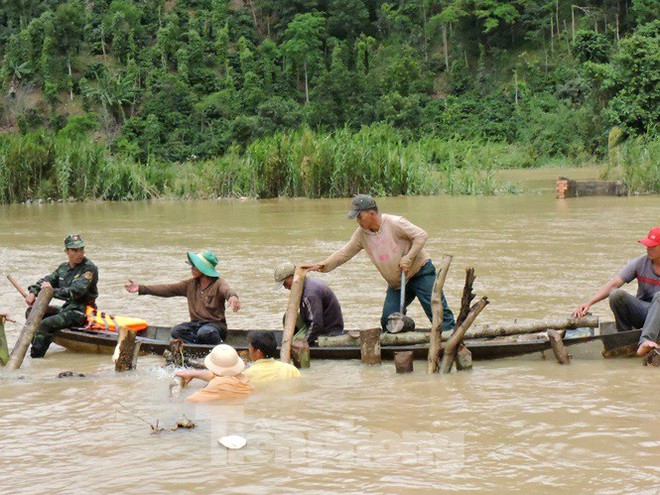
(394, 245)
(320, 312)
(206, 293)
(74, 282)
(640, 311)
(262, 347)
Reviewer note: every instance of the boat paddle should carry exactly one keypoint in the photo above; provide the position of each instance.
(399, 322)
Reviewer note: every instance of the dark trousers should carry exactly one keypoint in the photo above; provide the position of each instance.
(200, 332)
(420, 286)
(630, 312)
(55, 319)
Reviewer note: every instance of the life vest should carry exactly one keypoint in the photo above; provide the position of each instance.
(100, 320)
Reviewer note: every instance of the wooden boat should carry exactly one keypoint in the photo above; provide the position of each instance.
(155, 340)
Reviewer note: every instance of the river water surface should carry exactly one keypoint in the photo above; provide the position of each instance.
(524, 425)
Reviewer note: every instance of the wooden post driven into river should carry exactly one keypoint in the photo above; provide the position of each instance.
(129, 348)
(403, 361)
(558, 347)
(29, 329)
(436, 307)
(292, 313)
(4, 350)
(370, 346)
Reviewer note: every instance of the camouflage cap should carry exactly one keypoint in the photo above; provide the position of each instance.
(74, 241)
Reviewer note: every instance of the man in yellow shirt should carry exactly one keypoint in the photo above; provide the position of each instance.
(262, 346)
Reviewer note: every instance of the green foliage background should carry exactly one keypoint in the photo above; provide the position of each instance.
(131, 99)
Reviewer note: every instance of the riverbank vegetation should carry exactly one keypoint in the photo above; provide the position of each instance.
(203, 98)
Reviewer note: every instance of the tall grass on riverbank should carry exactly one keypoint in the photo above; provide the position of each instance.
(637, 163)
(43, 166)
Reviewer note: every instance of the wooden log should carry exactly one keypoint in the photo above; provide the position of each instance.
(300, 354)
(488, 331)
(466, 300)
(435, 342)
(403, 361)
(30, 328)
(4, 349)
(129, 348)
(370, 346)
(459, 333)
(463, 358)
(558, 347)
(292, 313)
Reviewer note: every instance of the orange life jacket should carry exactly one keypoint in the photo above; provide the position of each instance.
(100, 320)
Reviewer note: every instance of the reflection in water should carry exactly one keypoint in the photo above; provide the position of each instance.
(524, 424)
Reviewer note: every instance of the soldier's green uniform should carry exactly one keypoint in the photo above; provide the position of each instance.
(77, 287)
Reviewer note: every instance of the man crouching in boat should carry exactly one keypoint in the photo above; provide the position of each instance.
(206, 293)
(320, 312)
(224, 374)
(394, 245)
(641, 311)
(74, 282)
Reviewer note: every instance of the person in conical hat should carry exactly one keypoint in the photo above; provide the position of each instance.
(224, 374)
(207, 295)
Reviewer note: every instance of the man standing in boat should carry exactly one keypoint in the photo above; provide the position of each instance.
(206, 293)
(394, 245)
(74, 282)
(320, 312)
(640, 311)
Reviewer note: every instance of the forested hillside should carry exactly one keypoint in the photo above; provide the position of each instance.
(196, 98)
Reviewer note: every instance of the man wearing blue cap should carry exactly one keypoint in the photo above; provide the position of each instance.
(394, 245)
(206, 293)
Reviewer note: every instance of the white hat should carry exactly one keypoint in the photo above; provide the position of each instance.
(223, 360)
(282, 271)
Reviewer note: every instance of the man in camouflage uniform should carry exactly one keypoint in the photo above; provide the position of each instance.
(73, 282)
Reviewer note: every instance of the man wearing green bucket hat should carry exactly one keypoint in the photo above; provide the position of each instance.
(206, 293)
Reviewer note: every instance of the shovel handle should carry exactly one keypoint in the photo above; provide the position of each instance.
(403, 291)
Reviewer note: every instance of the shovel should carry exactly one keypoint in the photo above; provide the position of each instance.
(398, 322)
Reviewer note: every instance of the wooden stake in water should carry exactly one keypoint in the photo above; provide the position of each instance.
(30, 328)
(4, 350)
(292, 313)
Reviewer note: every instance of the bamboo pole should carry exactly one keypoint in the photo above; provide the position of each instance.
(30, 328)
(17, 286)
(558, 347)
(435, 343)
(370, 346)
(457, 337)
(292, 313)
(4, 350)
(129, 348)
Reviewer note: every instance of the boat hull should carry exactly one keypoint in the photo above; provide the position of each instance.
(155, 340)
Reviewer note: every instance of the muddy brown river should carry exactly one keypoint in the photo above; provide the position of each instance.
(523, 425)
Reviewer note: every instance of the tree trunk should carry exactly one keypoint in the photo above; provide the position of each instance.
(558, 347)
(370, 346)
(129, 348)
(403, 361)
(300, 354)
(30, 328)
(4, 350)
(292, 313)
(306, 85)
(458, 335)
(445, 46)
(487, 331)
(68, 65)
(436, 307)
